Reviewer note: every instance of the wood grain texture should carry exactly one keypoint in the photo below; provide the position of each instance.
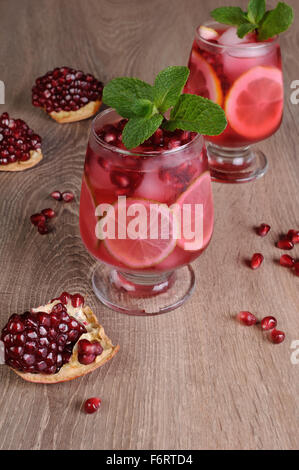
(190, 379)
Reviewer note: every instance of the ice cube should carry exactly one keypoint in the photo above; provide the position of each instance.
(208, 34)
(230, 38)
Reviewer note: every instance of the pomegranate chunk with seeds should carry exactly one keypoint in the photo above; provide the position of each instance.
(247, 318)
(18, 144)
(263, 230)
(287, 261)
(88, 351)
(92, 405)
(256, 260)
(268, 323)
(46, 343)
(277, 336)
(64, 91)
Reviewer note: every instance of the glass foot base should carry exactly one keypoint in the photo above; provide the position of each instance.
(144, 294)
(236, 165)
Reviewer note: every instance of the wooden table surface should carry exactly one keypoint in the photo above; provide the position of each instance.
(190, 379)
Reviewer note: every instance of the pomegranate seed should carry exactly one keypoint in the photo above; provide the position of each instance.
(247, 318)
(77, 300)
(42, 229)
(67, 196)
(296, 266)
(285, 244)
(37, 219)
(263, 230)
(268, 323)
(56, 195)
(65, 297)
(48, 213)
(293, 235)
(277, 336)
(287, 261)
(92, 405)
(256, 260)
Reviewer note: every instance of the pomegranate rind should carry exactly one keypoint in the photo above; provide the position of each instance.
(35, 157)
(74, 368)
(87, 111)
(252, 111)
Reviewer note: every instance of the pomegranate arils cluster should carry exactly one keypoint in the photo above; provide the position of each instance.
(267, 324)
(40, 220)
(65, 89)
(66, 196)
(88, 351)
(39, 342)
(17, 140)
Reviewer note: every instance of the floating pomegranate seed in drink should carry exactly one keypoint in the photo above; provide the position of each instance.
(256, 260)
(92, 405)
(287, 261)
(247, 318)
(285, 244)
(277, 336)
(263, 230)
(268, 323)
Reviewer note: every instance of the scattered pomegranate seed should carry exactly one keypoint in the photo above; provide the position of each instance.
(293, 235)
(92, 405)
(256, 260)
(56, 195)
(268, 323)
(65, 297)
(277, 336)
(285, 244)
(287, 261)
(247, 318)
(263, 230)
(67, 196)
(48, 213)
(37, 219)
(43, 229)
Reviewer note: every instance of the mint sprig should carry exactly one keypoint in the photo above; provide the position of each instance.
(267, 24)
(145, 106)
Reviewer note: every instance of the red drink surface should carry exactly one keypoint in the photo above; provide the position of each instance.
(245, 78)
(145, 175)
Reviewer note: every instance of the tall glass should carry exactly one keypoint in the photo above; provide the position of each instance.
(246, 80)
(145, 215)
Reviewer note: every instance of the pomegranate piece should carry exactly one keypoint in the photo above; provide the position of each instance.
(92, 405)
(256, 260)
(64, 91)
(68, 196)
(46, 343)
(277, 336)
(56, 195)
(37, 219)
(18, 145)
(247, 318)
(268, 323)
(263, 230)
(293, 236)
(285, 244)
(48, 213)
(287, 261)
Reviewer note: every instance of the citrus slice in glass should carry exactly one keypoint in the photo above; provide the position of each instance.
(194, 220)
(203, 80)
(254, 104)
(145, 232)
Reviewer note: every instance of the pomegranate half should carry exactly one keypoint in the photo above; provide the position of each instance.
(68, 95)
(56, 342)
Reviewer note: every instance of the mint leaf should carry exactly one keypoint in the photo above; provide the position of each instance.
(276, 21)
(143, 108)
(229, 15)
(137, 130)
(168, 86)
(256, 11)
(123, 93)
(245, 29)
(197, 114)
